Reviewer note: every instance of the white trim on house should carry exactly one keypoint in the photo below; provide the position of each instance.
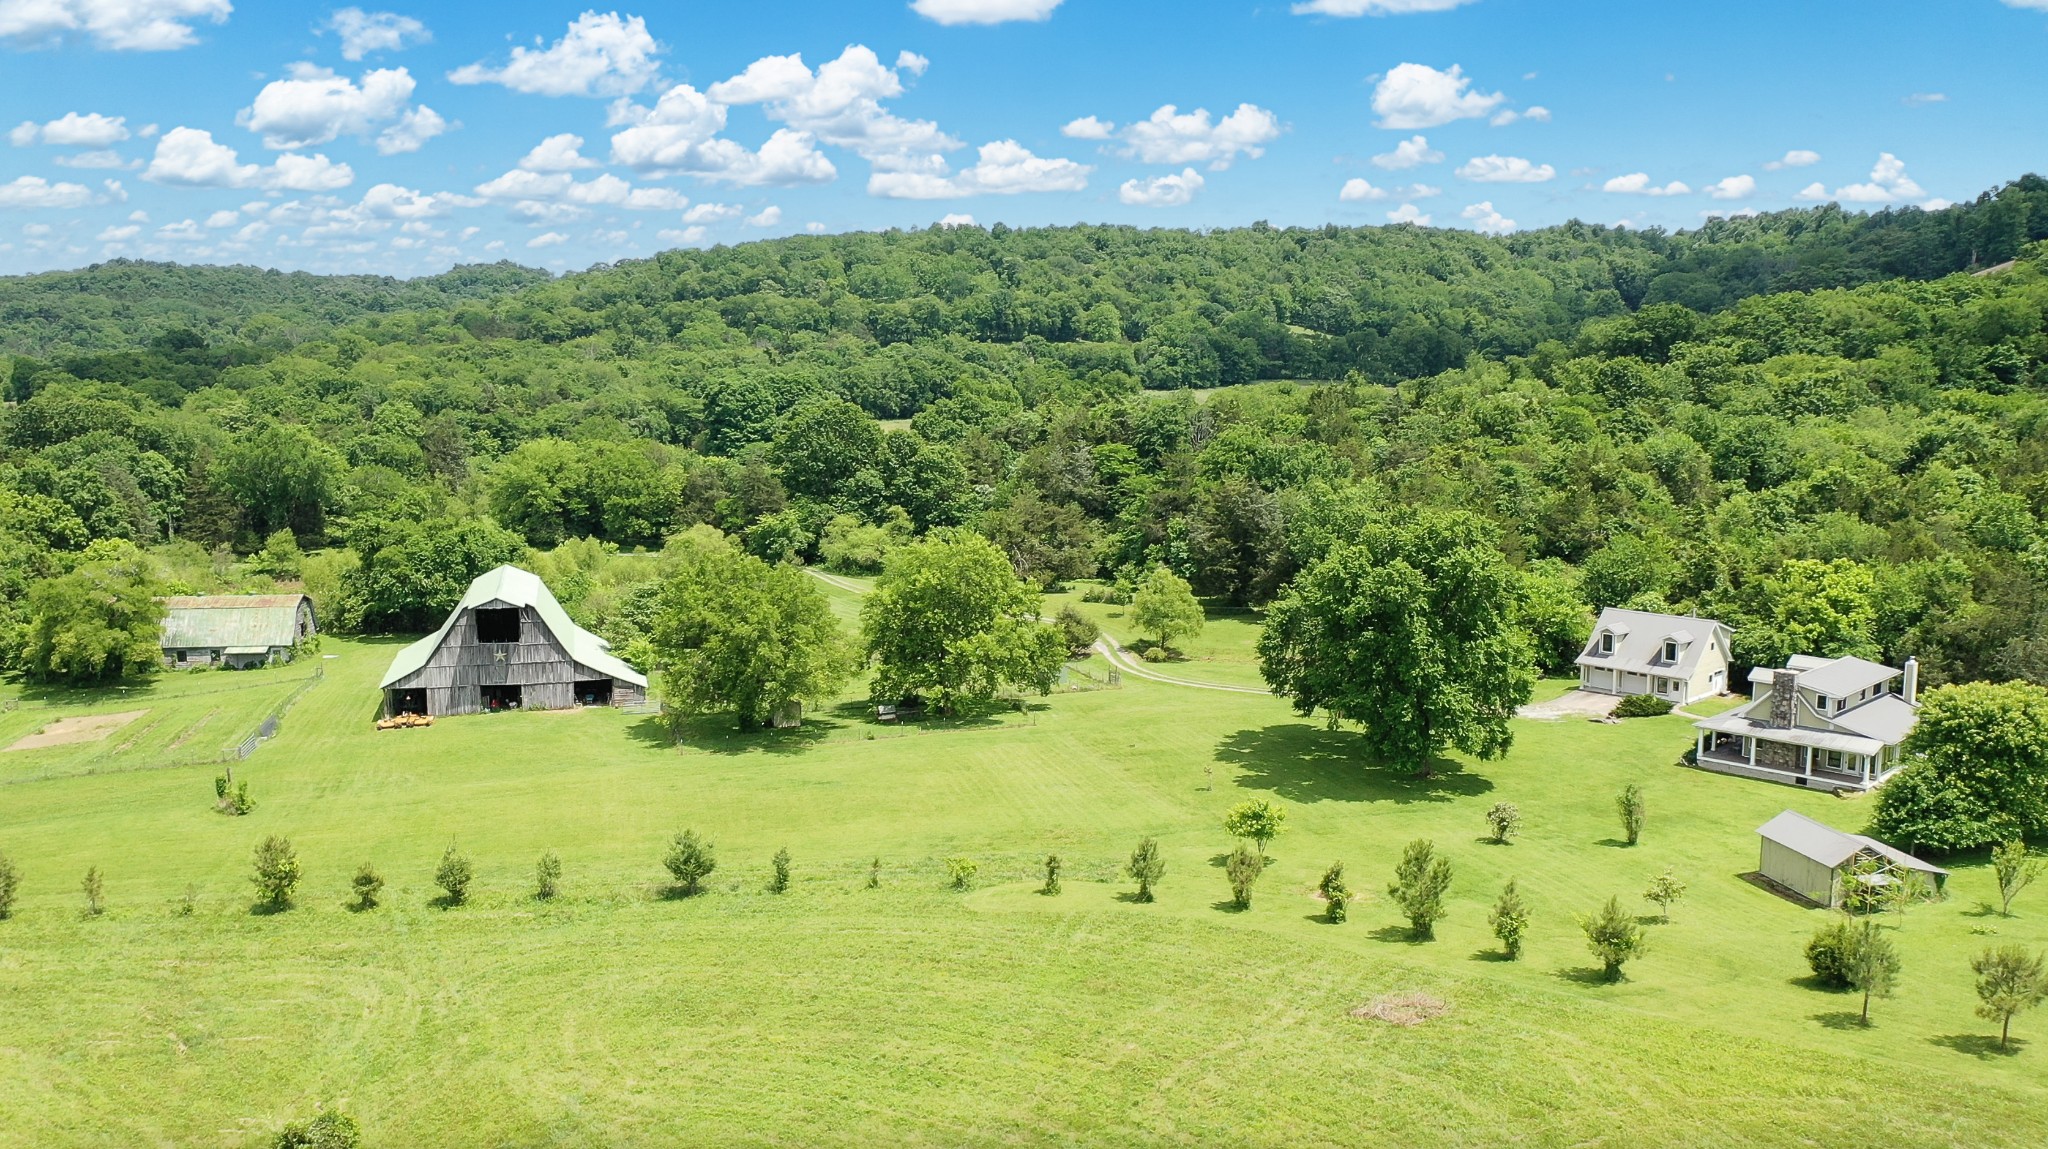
(1673, 657)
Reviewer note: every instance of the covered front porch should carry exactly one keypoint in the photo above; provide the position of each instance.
(1816, 759)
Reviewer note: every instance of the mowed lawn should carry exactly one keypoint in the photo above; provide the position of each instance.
(913, 1015)
(177, 718)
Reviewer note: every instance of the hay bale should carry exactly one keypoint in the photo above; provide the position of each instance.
(1407, 1008)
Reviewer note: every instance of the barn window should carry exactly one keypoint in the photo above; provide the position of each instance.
(500, 625)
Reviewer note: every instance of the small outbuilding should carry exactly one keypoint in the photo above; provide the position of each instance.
(237, 631)
(1812, 859)
(508, 645)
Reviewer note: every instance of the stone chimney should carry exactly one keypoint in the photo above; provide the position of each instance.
(1912, 682)
(1784, 699)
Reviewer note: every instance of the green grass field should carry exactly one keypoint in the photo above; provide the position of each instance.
(181, 719)
(915, 1015)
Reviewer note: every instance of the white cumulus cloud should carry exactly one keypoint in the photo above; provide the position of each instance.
(1535, 114)
(548, 239)
(687, 235)
(1484, 218)
(557, 154)
(956, 219)
(1161, 191)
(118, 25)
(1355, 190)
(713, 213)
(1505, 170)
(1888, 183)
(767, 217)
(839, 104)
(1733, 187)
(313, 105)
(1409, 213)
(365, 32)
(35, 191)
(600, 55)
(1005, 167)
(1089, 128)
(1638, 183)
(190, 157)
(1419, 96)
(1796, 158)
(73, 130)
(1171, 137)
(1409, 153)
(983, 11)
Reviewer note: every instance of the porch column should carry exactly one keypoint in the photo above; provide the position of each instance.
(1704, 737)
(1752, 749)
(1806, 760)
(1866, 768)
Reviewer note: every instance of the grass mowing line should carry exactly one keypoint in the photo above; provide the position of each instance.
(832, 1017)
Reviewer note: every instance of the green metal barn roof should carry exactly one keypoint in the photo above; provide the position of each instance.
(253, 622)
(515, 587)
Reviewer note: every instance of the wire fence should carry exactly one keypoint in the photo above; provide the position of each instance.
(267, 729)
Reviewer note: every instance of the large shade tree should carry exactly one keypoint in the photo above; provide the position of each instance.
(100, 623)
(1981, 774)
(950, 622)
(733, 633)
(1410, 632)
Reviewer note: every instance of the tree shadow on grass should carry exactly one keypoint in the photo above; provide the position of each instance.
(1490, 955)
(1131, 898)
(1841, 1019)
(1817, 984)
(1983, 910)
(1306, 763)
(268, 909)
(1588, 975)
(1979, 1045)
(1614, 844)
(1229, 906)
(447, 902)
(1403, 934)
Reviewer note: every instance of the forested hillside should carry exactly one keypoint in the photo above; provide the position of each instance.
(125, 304)
(1814, 424)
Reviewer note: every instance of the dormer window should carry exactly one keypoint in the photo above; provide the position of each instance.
(1670, 650)
(1607, 642)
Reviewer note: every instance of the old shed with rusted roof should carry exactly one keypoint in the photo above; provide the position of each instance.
(238, 631)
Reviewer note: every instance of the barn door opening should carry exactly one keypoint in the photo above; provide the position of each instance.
(500, 625)
(409, 701)
(595, 693)
(501, 697)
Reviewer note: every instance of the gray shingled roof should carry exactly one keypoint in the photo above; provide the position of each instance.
(1639, 642)
(1887, 718)
(250, 623)
(516, 587)
(1846, 676)
(1831, 847)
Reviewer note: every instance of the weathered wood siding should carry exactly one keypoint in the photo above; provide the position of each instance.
(455, 676)
(1797, 872)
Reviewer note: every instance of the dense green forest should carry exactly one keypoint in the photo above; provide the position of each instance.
(1820, 426)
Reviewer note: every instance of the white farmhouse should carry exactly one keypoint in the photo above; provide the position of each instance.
(1825, 723)
(1671, 656)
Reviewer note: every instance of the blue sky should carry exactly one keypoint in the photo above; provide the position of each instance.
(404, 139)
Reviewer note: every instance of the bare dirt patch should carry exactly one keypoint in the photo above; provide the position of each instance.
(1572, 704)
(70, 731)
(1408, 1008)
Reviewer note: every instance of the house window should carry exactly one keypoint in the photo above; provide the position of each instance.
(1823, 700)
(1606, 642)
(494, 626)
(1670, 651)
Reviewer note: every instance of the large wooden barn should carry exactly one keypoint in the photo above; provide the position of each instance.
(508, 645)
